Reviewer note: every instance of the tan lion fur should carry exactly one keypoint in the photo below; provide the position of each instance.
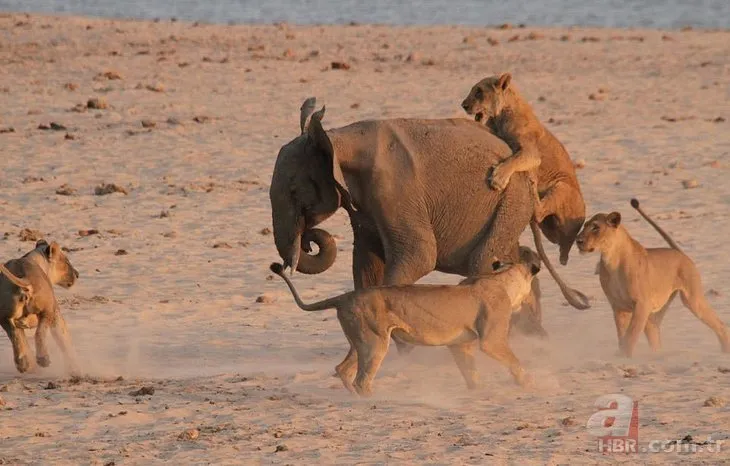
(641, 283)
(27, 300)
(479, 308)
(496, 102)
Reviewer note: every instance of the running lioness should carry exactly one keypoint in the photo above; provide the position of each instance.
(641, 283)
(479, 308)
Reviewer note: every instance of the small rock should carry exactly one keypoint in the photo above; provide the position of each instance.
(264, 299)
(109, 75)
(630, 372)
(157, 87)
(121, 252)
(597, 96)
(667, 38)
(65, 190)
(505, 26)
(97, 103)
(491, 41)
(281, 447)
(222, 245)
(84, 233)
(288, 53)
(32, 179)
(580, 163)
(190, 434)
(265, 231)
(340, 65)
(355, 105)
(565, 37)
(723, 370)
(70, 86)
(715, 402)
(428, 62)
(109, 188)
(413, 57)
(568, 421)
(690, 184)
(514, 38)
(173, 121)
(8, 129)
(201, 119)
(26, 234)
(148, 124)
(170, 234)
(534, 36)
(713, 292)
(70, 137)
(52, 386)
(144, 391)
(718, 120)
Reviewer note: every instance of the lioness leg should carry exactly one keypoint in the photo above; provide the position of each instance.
(622, 319)
(493, 341)
(652, 329)
(464, 356)
(346, 369)
(20, 345)
(41, 349)
(695, 301)
(371, 350)
(63, 340)
(635, 329)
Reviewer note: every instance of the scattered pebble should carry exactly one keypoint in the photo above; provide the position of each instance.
(52, 126)
(491, 41)
(264, 299)
(713, 292)
(7, 129)
(201, 119)
(568, 421)
(121, 252)
(723, 370)
(190, 434)
(630, 372)
(65, 190)
(108, 75)
(155, 87)
(579, 164)
(715, 402)
(148, 124)
(265, 231)
(281, 447)
(144, 391)
(97, 103)
(32, 179)
(109, 188)
(340, 65)
(52, 386)
(84, 233)
(222, 245)
(69, 137)
(26, 234)
(690, 184)
(70, 86)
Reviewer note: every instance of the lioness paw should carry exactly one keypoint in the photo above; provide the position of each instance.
(498, 179)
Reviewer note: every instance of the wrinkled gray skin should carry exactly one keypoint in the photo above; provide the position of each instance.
(416, 193)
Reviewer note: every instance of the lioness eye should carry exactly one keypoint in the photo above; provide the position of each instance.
(478, 94)
(595, 227)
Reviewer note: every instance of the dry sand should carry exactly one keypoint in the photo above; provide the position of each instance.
(646, 110)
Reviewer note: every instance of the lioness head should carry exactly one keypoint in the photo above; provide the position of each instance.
(60, 270)
(487, 98)
(516, 279)
(598, 233)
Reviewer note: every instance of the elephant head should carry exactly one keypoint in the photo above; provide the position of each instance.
(304, 192)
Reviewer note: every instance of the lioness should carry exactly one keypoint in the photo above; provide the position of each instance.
(640, 283)
(27, 300)
(479, 308)
(496, 102)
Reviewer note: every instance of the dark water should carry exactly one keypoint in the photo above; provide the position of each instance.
(610, 13)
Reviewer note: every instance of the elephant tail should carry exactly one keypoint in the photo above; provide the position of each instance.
(330, 303)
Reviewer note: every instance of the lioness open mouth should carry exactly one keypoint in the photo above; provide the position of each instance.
(478, 116)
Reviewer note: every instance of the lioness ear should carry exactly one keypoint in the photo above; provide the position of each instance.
(504, 80)
(613, 219)
(41, 243)
(54, 250)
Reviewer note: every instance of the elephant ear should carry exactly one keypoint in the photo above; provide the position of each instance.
(318, 137)
(305, 113)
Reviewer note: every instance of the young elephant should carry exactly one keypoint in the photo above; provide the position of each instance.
(27, 300)
(479, 308)
(641, 283)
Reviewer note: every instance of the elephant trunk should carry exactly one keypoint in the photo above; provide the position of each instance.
(293, 242)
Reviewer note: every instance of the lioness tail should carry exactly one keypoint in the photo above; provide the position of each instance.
(330, 303)
(667, 238)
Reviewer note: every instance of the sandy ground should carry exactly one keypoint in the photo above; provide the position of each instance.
(236, 381)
